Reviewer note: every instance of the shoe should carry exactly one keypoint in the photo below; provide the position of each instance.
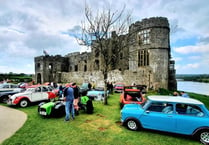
(66, 120)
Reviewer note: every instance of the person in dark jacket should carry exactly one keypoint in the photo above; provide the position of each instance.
(76, 98)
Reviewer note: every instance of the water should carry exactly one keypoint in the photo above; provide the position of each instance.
(195, 87)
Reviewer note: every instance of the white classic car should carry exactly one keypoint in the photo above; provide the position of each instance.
(34, 93)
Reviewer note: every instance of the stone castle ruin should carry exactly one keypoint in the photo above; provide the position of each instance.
(149, 62)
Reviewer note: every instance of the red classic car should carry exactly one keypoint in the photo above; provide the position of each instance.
(118, 87)
(131, 95)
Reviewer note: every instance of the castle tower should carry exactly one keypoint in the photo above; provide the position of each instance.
(153, 51)
(49, 68)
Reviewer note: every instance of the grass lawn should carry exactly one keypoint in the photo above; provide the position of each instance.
(101, 128)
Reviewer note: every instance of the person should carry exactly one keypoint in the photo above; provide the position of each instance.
(111, 88)
(185, 95)
(89, 86)
(60, 91)
(175, 93)
(69, 107)
(133, 84)
(76, 98)
(93, 85)
(86, 104)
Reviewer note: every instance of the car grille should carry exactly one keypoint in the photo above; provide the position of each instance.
(42, 111)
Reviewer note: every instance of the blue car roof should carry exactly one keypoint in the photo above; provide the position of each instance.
(175, 99)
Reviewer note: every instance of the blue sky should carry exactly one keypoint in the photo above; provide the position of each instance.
(27, 27)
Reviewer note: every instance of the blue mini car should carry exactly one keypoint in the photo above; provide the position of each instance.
(170, 114)
(97, 94)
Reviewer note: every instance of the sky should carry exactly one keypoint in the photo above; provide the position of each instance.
(28, 27)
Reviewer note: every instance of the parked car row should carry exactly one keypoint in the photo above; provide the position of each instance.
(173, 114)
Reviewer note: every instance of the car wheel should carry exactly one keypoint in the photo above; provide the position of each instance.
(121, 105)
(5, 99)
(203, 136)
(23, 103)
(132, 124)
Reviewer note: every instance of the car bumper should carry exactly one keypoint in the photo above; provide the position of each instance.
(95, 97)
(118, 91)
(42, 112)
(10, 102)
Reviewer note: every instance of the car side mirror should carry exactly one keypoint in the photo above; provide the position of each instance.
(147, 111)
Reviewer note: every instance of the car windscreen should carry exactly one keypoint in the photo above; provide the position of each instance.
(85, 85)
(145, 104)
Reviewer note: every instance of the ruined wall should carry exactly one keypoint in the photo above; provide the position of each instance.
(147, 59)
(141, 76)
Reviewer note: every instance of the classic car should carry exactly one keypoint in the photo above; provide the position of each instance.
(33, 93)
(118, 87)
(51, 109)
(131, 95)
(83, 89)
(8, 87)
(4, 96)
(57, 109)
(173, 114)
(97, 94)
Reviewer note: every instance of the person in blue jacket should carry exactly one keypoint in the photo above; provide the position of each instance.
(69, 107)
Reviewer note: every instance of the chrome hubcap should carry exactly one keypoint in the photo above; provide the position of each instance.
(131, 124)
(205, 137)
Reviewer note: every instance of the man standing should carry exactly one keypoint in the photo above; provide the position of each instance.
(69, 107)
(76, 98)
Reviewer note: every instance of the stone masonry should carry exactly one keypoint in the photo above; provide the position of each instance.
(149, 62)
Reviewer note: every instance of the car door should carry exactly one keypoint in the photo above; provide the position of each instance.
(45, 91)
(189, 119)
(37, 94)
(156, 118)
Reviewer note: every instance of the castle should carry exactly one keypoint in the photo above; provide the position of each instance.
(150, 62)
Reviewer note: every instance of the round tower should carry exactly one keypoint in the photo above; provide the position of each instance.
(153, 46)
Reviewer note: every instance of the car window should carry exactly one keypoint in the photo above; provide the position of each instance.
(13, 86)
(50, 88)
(161, 107)
(6, 86)
(44, 89)
(188, 109)
(38, 89)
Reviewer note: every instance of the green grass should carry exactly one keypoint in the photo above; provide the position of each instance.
(101, 128)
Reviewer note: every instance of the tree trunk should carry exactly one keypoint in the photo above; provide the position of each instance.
(105, 88)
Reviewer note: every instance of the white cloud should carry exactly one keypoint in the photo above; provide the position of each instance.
(192, 49)
(28, 27)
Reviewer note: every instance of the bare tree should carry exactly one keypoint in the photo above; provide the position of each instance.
(106, 33)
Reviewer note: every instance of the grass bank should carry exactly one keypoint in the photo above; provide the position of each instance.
(101, 128)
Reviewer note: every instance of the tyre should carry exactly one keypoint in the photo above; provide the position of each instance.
(121, 105)
(24, 103)
(4, 99)
(203, 136)
(132, 124)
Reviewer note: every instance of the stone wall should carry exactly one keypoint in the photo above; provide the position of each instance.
(143, 77)
(144, 58)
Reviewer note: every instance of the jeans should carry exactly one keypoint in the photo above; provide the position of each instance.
(69, 108)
